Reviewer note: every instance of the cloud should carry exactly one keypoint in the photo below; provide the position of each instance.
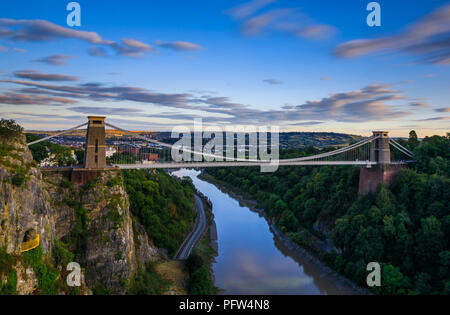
(55, 60)
(249, 8)
(325, 78)
(434, 119)
(418, 104)
(284, 20)
(179, 46)
(37, 76)
(130, 47)
(105, 110)
(97, 52)
(371, 103)
(10, 98)
(308, 123)
(443, 110)
(41, 31)
(3, 49)
(272, 81)
(429, 38)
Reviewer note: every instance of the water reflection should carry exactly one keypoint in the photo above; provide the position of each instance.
(251, 260)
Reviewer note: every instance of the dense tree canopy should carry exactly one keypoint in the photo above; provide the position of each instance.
(405, 227)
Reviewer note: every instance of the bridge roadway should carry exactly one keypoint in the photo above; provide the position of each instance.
(200, 226)
(176, 165)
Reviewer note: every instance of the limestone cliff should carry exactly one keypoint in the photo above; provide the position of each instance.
(93, 220)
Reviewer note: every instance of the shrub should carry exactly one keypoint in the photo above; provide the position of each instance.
(200, 282)
(193, 263)
(46, 276)
(61, 255)
(18, 180)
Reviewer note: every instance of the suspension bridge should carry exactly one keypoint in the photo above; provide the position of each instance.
(135, 151)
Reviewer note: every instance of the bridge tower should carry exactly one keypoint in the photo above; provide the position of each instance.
(95, 150)
(380, 151)
(383, 172)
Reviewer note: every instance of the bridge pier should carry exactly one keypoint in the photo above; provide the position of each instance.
(371, 178)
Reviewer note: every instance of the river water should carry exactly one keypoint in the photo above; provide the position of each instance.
(251, 260)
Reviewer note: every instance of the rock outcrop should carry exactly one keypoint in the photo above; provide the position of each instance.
(93, 219)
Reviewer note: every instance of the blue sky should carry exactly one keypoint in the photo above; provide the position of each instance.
(301, 65)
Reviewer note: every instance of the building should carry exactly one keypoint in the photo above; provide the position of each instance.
(110, 151)
(150, 157)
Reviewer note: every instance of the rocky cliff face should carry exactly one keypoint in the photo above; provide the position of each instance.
(24, 205)
(93, 219)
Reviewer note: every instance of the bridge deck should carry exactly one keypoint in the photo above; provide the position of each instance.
(239, 164)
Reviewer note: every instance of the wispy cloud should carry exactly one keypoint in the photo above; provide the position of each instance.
(249, 8)
(41, 31)
(443, 110)
(11, 98)
(284, 20)
(272, 81)
(37, 76)
(105, 110)
(179, 46)
(371, 103)
(434, 119)
(55, 60)
(429, 38)
(418, 104)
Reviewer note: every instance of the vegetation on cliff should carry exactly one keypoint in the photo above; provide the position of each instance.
(162, 205)
(405, 227)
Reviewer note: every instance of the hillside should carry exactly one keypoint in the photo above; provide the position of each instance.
(90, 224)
(404, 227)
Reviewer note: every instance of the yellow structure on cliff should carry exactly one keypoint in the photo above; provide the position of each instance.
(31, 244)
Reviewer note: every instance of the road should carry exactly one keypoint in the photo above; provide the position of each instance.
(200, 226)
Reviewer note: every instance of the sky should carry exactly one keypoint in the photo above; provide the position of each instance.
(300, 65)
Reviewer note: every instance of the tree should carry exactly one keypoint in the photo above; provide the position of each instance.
(413, 141)
(392, 281)
(9, 129)
(429, 243)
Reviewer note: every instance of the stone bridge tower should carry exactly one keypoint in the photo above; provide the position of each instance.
(380, 151)
(383, 172)
(95, 155)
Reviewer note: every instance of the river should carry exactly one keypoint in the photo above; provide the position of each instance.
(251, 260)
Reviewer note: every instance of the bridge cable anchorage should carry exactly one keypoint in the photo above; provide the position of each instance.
(401, 148)
(56, 135)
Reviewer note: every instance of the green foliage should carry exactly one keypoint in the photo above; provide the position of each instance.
(61, 255)
(200, 281)
(114, 181)
(18, 180)
(9, 129)
(45, 274)
(193, 262)
(148, 282)
(9, 287)
(42, 150)
(100, 290)
(65, 183)
(162, 205)
(7, 262)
